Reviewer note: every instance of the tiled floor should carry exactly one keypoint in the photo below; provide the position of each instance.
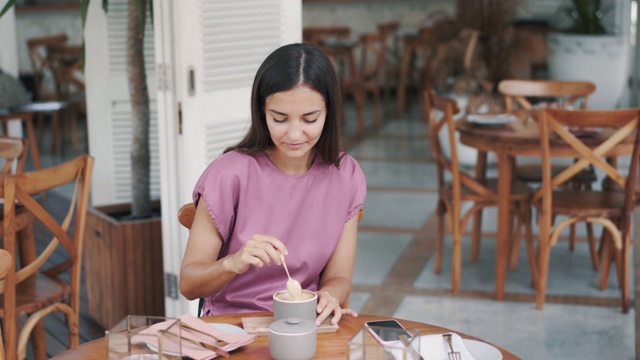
(394, 266)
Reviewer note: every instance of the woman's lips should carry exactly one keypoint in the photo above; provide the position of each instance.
(294, 146)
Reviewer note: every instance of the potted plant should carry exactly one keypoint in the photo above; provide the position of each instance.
(123, 255)
(583, 48)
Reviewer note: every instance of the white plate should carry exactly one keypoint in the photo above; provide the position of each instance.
(229, 329)
(481, 350)
(491, 119)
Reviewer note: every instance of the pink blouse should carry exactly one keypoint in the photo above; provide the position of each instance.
(248, 194)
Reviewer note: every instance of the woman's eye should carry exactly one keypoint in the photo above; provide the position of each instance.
(310, 121)
(279, 120)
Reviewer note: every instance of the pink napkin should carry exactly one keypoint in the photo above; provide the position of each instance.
(171, 343)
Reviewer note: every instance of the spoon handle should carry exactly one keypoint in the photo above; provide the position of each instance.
(284, 264)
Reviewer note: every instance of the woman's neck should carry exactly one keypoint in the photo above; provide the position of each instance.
(291, 166)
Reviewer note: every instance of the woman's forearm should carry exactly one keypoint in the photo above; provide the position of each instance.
(199, 280)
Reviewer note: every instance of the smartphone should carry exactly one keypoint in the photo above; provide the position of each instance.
(386, 332)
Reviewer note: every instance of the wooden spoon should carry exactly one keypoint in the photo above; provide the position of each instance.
(293, 286)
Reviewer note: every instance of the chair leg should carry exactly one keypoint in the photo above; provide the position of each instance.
(605, 258)
(624, 283)
(440, 213)
(456, 253)
(74, 331)
(531, 251)
(476, 235)
(514, 252)
(595, 259)
(38, 341)
(572, 237)
(543, 267)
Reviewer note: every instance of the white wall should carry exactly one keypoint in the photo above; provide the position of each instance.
(8, 50)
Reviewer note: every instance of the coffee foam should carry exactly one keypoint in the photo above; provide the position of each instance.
(284, 296)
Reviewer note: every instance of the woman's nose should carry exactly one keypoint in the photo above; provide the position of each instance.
(295, 130)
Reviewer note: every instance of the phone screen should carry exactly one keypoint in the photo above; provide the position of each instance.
(388, 330)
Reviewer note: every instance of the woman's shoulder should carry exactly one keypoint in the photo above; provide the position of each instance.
(348, 169)
(348, 164)
(233, 160)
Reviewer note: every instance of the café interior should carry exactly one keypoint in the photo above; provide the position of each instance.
(437, 244)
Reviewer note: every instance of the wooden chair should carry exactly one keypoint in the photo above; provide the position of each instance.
(335, 42)
(6, 263)
(519, 95)
(187, 213)
(390, 65)
(367, 79)
(44, 82)
(612, 210)
(66, 61)
(481, 193)
(317, 34)
(41, 66)
(31, 290)
(14, 152)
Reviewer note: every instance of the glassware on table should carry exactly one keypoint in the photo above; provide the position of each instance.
(128, 341)
(363, 346)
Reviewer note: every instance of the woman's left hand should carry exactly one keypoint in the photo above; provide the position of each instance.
(328, 304)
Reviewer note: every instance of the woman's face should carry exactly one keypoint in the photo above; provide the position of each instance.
(295, 119)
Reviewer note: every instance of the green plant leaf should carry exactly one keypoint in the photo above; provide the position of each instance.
(7, 6)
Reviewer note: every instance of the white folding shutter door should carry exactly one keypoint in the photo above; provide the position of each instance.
(233, 39)
(110, 117)
(221, 45)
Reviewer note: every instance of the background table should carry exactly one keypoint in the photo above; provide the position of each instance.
(334, 345)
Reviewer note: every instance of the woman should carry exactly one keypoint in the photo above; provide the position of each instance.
(286, 187)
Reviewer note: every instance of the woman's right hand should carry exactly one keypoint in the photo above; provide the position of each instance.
(258, 251)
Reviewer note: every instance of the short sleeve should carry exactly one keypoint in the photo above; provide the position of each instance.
(219, 187)
(358, 182)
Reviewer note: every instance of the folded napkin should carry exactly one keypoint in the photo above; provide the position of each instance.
(491, 119)
(194, 351)
(435, 347)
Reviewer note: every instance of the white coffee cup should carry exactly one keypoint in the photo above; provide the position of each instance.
(284, 307)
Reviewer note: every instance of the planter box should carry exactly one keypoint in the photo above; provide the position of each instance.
(601, 59)
(123, 266)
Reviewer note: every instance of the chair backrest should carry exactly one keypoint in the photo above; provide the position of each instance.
(66, 62)
(316, 34)
(389, 34)
(448, 107)
(566, 125)
(40, 65)
(23, 189)
(520, 93)
(13, 150)
(372, 55)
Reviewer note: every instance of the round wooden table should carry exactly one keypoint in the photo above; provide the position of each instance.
(332, 345)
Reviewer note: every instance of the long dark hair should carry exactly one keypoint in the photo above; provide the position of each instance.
(285, 68)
